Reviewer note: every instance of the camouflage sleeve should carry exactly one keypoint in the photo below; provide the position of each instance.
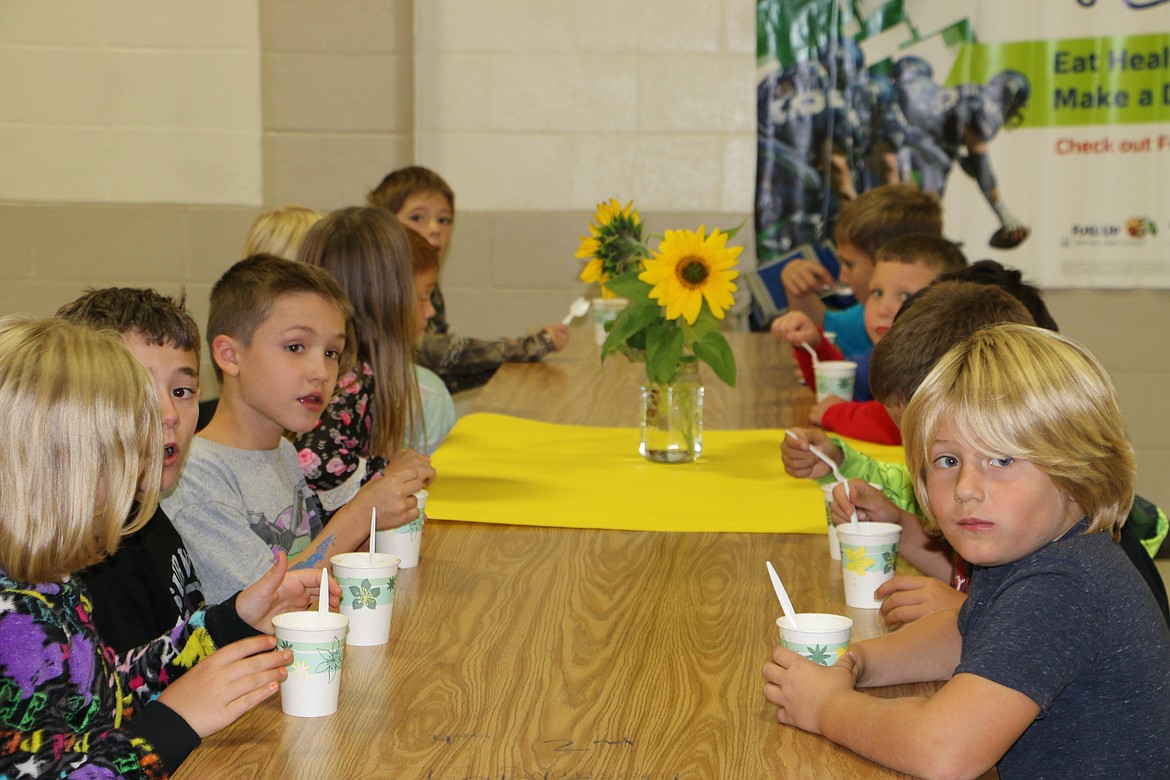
(893, 478)
(464, 363)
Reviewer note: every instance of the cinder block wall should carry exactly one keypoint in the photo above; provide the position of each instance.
(532, 119)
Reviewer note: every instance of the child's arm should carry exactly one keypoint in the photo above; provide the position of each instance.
(800, 462)
(393, 496)
(865, 420)
(907, 598)
(913, 735)
(929, 555)
(466, 362)
(804, 281)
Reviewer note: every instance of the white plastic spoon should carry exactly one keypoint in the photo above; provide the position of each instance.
(811, 351)
(836, 473)
(373, 530)
(578, 308)
(323, 598)
(785, 602)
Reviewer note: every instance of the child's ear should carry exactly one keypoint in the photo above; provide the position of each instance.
(226, 355)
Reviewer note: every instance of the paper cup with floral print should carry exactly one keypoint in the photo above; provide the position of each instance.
(835, 377)
(367, 594)
(869, 555)
(605, 310)
(821, 638)
(406, 540)
(314, 677)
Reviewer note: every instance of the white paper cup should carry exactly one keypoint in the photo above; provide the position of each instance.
(406, 540)
(834, 542)
(834, 545)
(835, 377)
(367, 595)
(314, 677)
(869, 555)
(605, 310)
(821, 638)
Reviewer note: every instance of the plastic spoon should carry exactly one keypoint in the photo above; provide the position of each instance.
(811, 351)
(323, 599)
(577, 308)
(373, 530)
(785, 602)
(840, 479)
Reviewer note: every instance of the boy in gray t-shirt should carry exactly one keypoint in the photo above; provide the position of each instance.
(277, 332)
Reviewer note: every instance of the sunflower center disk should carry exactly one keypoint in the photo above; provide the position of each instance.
(693, 271)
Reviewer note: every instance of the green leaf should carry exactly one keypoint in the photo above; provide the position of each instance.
(629, 286)
(714, 350)
(734, 231)
(664, 343)
(706, 323)
(632, 320)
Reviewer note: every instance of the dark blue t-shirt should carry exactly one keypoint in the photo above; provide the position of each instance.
(1074, 628)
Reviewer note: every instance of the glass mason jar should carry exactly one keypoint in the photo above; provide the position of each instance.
(672, 418)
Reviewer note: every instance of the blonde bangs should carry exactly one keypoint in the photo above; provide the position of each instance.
(1028, 393)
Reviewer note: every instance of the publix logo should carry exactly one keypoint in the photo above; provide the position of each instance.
(1140, 227)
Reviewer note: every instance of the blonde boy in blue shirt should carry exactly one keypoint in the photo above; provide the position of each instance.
(1058, 664)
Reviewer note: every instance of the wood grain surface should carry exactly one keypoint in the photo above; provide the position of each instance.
(575, 387)
(567, 654)
(562, 653)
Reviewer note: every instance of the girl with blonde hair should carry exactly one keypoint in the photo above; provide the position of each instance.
(82, 440)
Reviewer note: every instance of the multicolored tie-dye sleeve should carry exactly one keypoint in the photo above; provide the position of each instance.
(64, 708)
(147, 670)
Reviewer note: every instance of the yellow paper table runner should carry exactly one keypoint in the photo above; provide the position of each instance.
(499, 469)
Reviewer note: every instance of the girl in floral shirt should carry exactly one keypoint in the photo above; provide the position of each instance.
(79, 429)
(375, 408)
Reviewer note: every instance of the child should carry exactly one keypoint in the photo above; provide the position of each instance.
(904, 266)
(80, 427)
(865, 226)
(375, 408)
(280, 232)
(422, 200)
(438, 408)
(277, 332)
(1058, 664)
(148, 585)
(929, 324)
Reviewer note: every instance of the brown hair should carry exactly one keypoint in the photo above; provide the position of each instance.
(423, 254)
(884, 213)
(940, 317)
(399, 185)
(160, 320)
(243, 297)
(933, 252)
(81, 433)
(367, 250)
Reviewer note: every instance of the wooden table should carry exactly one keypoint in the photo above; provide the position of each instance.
(521, 652)
(574, 387)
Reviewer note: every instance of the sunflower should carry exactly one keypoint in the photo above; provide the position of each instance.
(613, 243)
(689, 267)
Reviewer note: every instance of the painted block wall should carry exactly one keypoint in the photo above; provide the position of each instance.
(534, 112)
